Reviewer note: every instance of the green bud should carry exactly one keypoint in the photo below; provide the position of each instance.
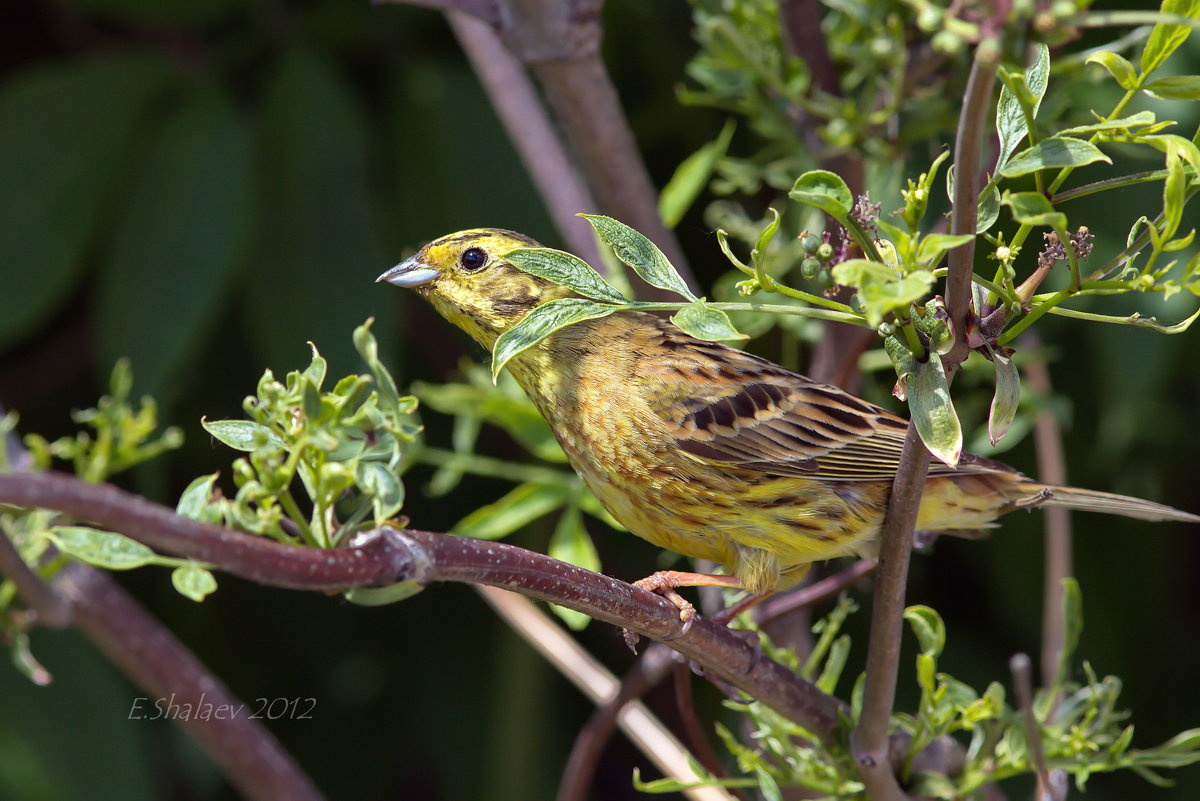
(810, 243)
(825, 251)
(826, 279)
(809, 268)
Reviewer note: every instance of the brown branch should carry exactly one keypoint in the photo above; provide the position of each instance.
(159, 664)
(1052, 469)
(968, 146)
(531, 132)
(486, 10)
(51, 608)
(810, 594)
(392, 555)
(869, 740)
(805, 39)
(559, 40)
(255, 558)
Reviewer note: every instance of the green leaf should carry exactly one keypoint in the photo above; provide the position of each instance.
(1174, 195)
(541, 323)
(826, 191)
(1008, 394)
(1176, 87)
(1033, 208)
(1139, 120)
(640, 253)
(378, 596)
(241, 435)
(1118, 66)
(691, 177)
(565, 269)
(384, 487)
(989, 209)
(368, 350)
(104, 549)
(1165, 39)
(571, 542)
(1011, 124)
(519, 507)
(933, 412)
(704, 322)
(57, 180)
(1053, 153)
(193, 581)
(1175, 145)
(881, 289)
(194, 503)
(927, 625)
(932, 246)
(179, 240)
(318, 236)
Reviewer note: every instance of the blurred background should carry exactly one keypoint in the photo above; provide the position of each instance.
(204, 186)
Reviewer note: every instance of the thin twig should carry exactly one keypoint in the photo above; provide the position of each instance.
(1052, 469)
(531, 132)
(810, 594)
(646, 731)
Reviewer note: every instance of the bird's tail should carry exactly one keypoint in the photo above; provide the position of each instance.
(1106, 502)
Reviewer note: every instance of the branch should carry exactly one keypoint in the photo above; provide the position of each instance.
(254, 558)
(870, 737)
(1052, 469)
(392, 555)
(965, 212)
(869, 741)
(531, 132)
(559, 40)
(150, 655)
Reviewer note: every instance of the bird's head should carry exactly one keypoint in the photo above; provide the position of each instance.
(468, 281)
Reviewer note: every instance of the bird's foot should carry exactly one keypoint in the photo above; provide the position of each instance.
(665, 582)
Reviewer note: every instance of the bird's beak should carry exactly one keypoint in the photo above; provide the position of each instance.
(410, 273)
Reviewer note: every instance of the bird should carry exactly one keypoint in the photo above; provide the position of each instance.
(709, 451)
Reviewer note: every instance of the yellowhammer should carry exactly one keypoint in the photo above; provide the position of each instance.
(709, 451)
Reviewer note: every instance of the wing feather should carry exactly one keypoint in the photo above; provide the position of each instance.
(730, 407)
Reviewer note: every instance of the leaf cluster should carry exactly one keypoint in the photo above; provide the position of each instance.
(345, 446)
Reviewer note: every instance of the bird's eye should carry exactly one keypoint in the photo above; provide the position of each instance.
(472, 259)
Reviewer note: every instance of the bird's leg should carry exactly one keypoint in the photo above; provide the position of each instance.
(664, 583)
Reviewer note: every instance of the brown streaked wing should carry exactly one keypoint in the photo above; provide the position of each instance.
(749, 413)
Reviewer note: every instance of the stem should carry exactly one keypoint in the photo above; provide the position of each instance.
(1033, 316)
(869, 740)
(1109, 183)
